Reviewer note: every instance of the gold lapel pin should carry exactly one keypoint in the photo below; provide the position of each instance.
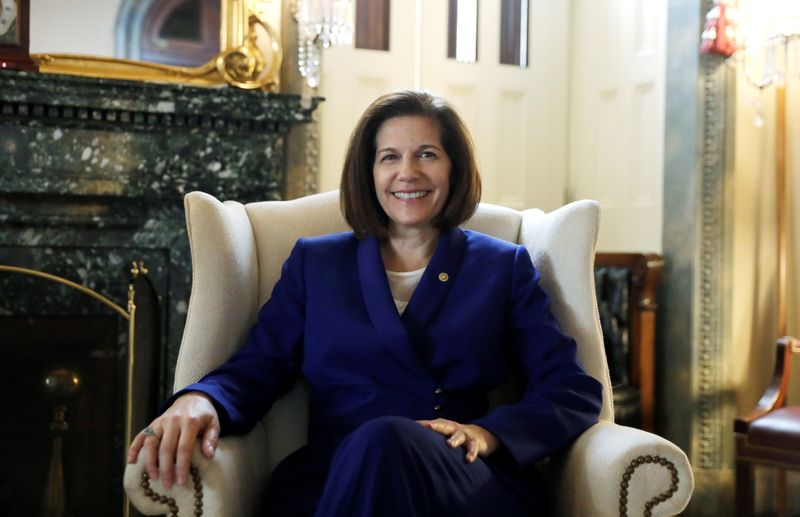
(444, 277)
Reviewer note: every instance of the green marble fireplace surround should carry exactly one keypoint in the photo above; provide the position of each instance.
(92, 176)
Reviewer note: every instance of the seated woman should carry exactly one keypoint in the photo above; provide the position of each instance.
(402, 327)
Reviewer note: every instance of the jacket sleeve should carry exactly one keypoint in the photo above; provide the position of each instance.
(559, 400)
(244, 387)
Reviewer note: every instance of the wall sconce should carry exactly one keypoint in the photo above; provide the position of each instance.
(320, 24)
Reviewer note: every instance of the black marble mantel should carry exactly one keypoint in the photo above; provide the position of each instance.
(93, 173)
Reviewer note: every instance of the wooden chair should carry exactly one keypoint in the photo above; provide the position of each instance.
(626, 293)
(769, 434)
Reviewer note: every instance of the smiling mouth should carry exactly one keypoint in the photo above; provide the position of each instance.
(411, 195)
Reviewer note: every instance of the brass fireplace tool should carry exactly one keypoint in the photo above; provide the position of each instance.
(60, 385)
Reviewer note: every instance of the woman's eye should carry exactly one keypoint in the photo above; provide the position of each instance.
(427, 154)
(388, 157)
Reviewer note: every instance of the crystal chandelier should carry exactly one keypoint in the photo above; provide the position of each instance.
(320, 24)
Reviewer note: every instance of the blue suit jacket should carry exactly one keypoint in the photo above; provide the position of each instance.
(477, 315)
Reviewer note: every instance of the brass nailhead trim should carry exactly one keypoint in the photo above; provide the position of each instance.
(626, 477)
(169, 501)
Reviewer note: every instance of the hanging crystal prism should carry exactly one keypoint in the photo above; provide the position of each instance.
(320, 24)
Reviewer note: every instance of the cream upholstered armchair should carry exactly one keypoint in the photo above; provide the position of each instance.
(237, 252)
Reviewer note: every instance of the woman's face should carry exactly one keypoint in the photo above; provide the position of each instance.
(411, 171)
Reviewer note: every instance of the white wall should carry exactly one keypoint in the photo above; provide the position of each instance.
(73, 26)
(754, 218)
(754, 200)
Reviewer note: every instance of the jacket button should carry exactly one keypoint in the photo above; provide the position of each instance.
(444, 277)
(437, 391)
(437, 408)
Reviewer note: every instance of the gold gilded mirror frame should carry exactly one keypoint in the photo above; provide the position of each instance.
(250, 59)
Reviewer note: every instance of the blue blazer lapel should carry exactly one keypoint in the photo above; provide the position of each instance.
(435, 283)
(381, 308)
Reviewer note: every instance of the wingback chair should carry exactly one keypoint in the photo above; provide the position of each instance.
(237, 252)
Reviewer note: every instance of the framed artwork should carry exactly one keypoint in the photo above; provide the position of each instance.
(14, 39)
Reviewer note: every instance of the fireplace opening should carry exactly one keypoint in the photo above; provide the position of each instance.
(79, 378)
(33, 347)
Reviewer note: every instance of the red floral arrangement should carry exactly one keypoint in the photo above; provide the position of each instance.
(720, 32)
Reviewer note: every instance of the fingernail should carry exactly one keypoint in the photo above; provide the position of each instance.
(181, 479)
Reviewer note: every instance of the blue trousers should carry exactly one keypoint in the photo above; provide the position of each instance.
(392, 466)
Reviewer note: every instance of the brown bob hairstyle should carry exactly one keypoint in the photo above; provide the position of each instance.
(359, 201)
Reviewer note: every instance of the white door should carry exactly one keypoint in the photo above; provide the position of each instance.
(617, 118)
(518, 116)
(352, 78)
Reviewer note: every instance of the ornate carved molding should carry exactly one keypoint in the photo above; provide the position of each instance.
(709, 423)
(110, 104)
(312, 155)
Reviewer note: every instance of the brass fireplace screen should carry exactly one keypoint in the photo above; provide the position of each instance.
(141, 394)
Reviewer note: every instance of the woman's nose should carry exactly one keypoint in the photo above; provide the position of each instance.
(408, 170)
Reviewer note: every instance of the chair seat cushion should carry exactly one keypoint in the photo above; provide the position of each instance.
(779, 428)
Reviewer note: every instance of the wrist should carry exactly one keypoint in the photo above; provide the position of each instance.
(200, 394)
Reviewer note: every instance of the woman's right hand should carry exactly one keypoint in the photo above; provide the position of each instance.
(167, 443)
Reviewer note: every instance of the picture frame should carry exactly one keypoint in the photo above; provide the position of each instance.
(15, 35)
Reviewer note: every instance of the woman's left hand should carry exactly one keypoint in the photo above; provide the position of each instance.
(477, 440)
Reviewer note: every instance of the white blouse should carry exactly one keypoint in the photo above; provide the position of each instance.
(402, 285)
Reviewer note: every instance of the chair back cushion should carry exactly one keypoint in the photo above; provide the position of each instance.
(278, 224)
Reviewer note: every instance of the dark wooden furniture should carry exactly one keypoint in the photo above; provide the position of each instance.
(769, 434)
(626, 292)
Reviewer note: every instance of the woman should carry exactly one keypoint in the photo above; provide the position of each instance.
(402, 328)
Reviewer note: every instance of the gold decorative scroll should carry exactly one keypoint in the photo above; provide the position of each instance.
(251, 59)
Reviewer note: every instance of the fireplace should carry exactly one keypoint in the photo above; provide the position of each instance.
(92, 175)
(36, 345)
(63, 441)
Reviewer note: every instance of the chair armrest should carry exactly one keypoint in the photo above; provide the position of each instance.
(232, 483)
(775, 394)
(621, 471)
